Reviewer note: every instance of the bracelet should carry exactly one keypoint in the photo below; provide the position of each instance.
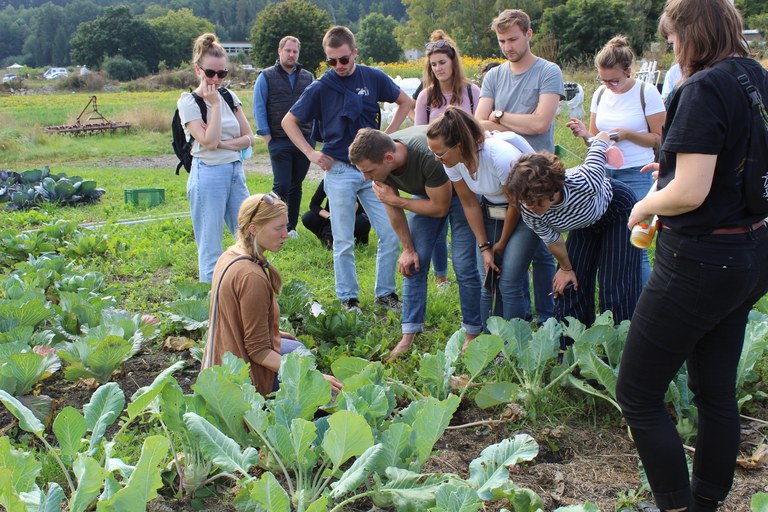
(482, 247)
(566, 269)
(485, 248)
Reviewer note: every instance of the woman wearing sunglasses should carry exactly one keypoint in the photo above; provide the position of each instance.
(222, 138)
(632, 112)
(444, 84)
(245, 316)
(479, 167)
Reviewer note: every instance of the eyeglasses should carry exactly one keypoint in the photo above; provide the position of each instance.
(210, 73)
(442, 155)
(266, 198)
(334, 60)
(434, 45)
(613, 83)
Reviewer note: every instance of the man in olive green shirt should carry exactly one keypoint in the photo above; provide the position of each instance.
(403, 162)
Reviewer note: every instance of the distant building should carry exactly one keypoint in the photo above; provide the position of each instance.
(413, 54)
(234, 48)
(752, 35)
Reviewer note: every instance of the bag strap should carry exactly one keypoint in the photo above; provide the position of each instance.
(471, 99)
(208, 353)
(202, 106)
(600, 95)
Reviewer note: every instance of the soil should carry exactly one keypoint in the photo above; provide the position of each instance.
(576, 463)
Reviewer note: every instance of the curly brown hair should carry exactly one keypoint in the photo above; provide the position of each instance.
(535, 176)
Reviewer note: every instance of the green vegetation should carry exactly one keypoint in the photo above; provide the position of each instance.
(80, 303)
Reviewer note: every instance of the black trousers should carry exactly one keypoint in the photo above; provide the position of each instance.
(693, 310)
(322, 227)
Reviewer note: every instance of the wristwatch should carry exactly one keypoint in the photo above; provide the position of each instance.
(497, 115)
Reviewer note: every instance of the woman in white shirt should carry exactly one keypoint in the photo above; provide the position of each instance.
(479, 167)
(632, 112)
(216, 187)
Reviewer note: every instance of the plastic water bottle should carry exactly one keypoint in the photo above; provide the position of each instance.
(643, 233)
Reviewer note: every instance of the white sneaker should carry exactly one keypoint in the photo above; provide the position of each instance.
(293, 234)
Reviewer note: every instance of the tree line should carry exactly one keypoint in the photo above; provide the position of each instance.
(150, 35)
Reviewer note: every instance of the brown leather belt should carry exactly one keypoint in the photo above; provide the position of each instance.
(738, 229)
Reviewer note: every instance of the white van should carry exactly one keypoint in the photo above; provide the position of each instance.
(54, 73)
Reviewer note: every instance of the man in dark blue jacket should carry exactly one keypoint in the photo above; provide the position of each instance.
(275, 92)
(344, 100)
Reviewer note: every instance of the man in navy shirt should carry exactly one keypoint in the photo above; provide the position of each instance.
(344, 100)
(276, 90)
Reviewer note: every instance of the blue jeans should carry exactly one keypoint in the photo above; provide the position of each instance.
(693, 310)
(215, 193)
(425, 234)
(440, 254)
(543, 273)
(286, 347)
(289, 168)
(512, 285)
(640, 183)
(343, 185)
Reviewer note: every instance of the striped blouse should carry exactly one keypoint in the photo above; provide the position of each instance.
(587, 193)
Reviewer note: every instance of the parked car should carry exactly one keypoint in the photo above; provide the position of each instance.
(248, 67)
(54, 73)
(9, 77)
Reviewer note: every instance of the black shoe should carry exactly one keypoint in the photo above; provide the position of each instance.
(390, 302)
(352, 305)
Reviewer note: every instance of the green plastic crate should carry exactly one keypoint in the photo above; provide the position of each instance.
(145, 197)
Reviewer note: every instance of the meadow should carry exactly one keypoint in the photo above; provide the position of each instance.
(153, 431)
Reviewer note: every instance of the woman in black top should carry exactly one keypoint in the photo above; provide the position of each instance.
(711, 262)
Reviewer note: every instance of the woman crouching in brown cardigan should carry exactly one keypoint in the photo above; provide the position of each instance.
(245, 316)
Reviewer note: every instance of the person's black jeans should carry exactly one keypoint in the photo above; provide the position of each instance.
(693, 309)
(289, 168)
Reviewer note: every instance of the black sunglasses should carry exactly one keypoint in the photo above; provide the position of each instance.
(333, 61)
(442, 43)
(266, 198)
(211, 73)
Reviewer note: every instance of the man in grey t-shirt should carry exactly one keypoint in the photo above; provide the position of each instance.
(522, 96)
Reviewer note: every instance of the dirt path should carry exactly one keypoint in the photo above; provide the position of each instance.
(259, 164)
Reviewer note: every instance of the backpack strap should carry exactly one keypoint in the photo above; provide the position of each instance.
(203, 109)
(208, 353)
(471, 99)
(429, 110)
(228, 98)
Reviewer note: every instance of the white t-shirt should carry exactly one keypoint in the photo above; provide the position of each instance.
(625, 111)
(230, 128)
(496, 159)
(673, 75)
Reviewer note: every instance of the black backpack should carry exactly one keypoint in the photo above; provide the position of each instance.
(755, 173)
(183, 147)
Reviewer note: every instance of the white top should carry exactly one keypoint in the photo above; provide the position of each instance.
(625, 111)
(496, 160)
(230, 128)
(671, 78)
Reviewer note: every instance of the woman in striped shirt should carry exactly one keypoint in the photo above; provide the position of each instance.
(594, 210)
